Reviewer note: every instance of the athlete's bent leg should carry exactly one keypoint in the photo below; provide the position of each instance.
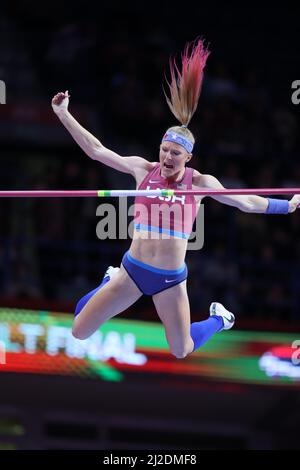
(113, 298)
(172, 306)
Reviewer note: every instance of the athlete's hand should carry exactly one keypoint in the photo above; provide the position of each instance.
(60, 102)
(294, 203)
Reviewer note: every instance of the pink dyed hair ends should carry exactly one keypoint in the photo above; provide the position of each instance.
(185, 86)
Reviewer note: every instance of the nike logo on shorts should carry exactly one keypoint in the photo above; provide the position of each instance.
(170, 280)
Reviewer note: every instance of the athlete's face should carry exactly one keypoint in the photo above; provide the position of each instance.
(173, 158)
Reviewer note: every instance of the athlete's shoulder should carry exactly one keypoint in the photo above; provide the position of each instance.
(197, 178)
(141, 170)
(140, 163)
(150, 166)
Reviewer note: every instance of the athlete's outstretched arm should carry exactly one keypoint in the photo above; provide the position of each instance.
(89, 144)
(248, 203)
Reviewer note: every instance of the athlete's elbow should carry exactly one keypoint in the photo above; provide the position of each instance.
(248, 207)
(95, 152)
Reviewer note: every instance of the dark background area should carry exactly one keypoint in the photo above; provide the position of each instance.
(112, 58)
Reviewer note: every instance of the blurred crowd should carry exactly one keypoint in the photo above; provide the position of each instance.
(247, 135)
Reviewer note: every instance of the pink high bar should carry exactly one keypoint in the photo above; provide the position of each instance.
(152, 192)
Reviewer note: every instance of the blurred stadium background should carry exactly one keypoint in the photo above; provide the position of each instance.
(112, 59)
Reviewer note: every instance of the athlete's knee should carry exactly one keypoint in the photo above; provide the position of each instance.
(78, 332)
(182, 350)
(180, 353)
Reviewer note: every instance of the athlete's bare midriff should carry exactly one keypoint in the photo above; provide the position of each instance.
(164, 253)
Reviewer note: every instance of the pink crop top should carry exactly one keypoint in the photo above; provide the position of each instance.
(173, 215)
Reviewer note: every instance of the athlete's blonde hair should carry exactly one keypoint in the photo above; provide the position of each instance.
(185, 86)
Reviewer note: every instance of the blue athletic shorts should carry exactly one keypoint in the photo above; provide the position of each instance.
(151, 280)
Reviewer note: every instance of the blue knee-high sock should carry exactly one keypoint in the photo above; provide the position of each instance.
(201, 331)
(81, 303)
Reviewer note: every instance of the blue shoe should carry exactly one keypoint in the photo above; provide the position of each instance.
(228, 318)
